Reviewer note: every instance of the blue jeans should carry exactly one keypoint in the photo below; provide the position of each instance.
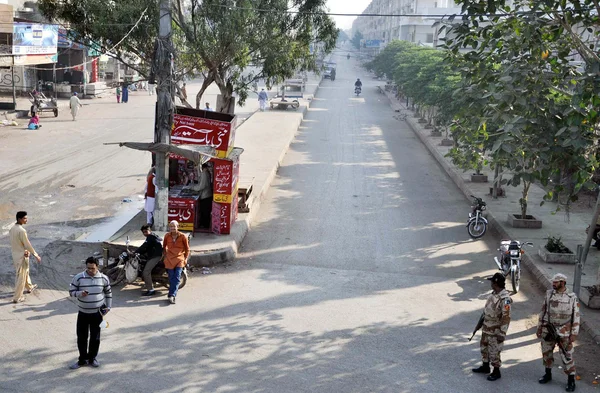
(174, 280)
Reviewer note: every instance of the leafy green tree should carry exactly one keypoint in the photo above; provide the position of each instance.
(234, 44)
(386, 62)
(540, 103)
(356, 38)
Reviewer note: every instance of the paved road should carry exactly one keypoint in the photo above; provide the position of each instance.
(357, 277)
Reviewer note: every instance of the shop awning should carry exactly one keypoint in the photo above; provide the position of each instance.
(199, 154)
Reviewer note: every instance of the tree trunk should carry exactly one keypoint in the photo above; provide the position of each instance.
(208, 80)
(523, 200)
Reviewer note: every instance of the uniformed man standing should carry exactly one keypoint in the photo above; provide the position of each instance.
(495, 325)
(561, 311)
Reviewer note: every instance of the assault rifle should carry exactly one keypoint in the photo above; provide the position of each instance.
(554, 337)
(478, 326)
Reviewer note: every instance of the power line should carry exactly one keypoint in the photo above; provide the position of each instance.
(531, 12)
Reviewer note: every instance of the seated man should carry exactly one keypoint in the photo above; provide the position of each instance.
(152, 250)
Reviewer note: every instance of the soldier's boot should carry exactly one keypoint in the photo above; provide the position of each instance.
(546, 377)
(495, 374)
(485, 368)
(571, 384)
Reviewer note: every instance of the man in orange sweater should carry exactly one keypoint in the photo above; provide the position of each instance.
(176, 251)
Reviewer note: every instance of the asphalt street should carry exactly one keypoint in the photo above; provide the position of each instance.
(357, 276)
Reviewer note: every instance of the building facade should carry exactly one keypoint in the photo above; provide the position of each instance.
(408, 20)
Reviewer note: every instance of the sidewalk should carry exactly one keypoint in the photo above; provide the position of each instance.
(265, 138)
(571, 230)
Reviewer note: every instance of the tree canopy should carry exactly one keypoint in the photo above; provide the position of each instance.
(234, 44)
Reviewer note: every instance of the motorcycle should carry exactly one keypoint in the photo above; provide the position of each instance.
(511, 252)
(357, 90)
(130, 266)
(477, 224)
(348, 57)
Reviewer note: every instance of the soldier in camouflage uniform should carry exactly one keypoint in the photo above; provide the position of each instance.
(561, 309)
(495, 325)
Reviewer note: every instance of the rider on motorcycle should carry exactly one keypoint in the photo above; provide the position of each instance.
(358, 83)
(152, 250)
(348, 56)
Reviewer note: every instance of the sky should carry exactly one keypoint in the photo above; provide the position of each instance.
(346, 7)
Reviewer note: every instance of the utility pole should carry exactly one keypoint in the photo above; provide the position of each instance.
(163, 63)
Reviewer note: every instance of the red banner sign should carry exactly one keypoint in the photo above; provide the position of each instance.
(200, 131)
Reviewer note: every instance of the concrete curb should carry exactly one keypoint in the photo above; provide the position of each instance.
(540, 277)
(228, 254)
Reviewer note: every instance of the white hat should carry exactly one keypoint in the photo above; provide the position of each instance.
(559, 277)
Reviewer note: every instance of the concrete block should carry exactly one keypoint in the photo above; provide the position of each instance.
(586, 297)
(529, 222)
(551, 257)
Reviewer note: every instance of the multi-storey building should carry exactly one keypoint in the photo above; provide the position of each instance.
(408, 20)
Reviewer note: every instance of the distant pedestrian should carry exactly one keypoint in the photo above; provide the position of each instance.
(74, 105)
(176, 250)
(208, 108)
(21, 248)
(262, 99)
(150, 196)
(125, 93)
(184, 92)
(558, 325)
(150, 89)
(495, 325)
(94, 298)
(118, 94)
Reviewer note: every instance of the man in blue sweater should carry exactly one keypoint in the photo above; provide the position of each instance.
(94, 298)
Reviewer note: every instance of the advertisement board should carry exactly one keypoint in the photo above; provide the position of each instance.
(373, 43)
(34, 39)
(184, 211)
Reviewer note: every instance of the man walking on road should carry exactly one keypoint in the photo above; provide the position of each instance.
(176, 250)
(558, 325)
(94, 298)
(152, 250)
(74, 105)
(262, 99)
(495, 325)
(21, 249)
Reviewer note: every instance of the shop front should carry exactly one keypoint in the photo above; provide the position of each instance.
(204, 198)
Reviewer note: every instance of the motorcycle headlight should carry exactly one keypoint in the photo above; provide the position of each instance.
(514, 253)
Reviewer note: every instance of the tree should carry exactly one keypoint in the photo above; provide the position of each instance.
(233, 43)
(386, 62)
(519, 65)
(356, 39)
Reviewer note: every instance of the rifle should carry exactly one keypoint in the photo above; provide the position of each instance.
(554, 337)
(478, 326)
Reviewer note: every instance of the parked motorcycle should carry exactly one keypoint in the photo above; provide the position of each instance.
(477, 224)
(511, 252)
(357, 90)
(129, 267)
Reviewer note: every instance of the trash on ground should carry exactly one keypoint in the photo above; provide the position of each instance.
(127, 200)
(206, 270)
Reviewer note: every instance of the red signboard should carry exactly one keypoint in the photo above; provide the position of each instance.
(200, 131)
(184, 211)
(226, 175)
(223, 216)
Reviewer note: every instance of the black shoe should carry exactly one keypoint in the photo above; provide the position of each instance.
(546, 377)
(485, 368)
(149, 293)
(571, 384)
(495, 374)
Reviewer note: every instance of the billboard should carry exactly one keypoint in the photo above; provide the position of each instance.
(34, 39)
(373, 43)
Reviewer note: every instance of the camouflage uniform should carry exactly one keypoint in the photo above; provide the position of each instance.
(495, 325)
(562, 310)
